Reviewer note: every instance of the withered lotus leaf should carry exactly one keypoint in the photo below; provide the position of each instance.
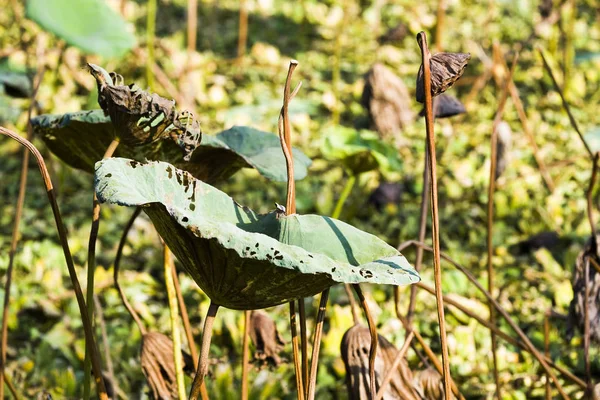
(446, 106)
(446, 68)
(140, 117)
(240, 259)
(81, 138)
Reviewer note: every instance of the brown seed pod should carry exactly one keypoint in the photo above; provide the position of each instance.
(429, 384)
(355, 354)
(445, 106)
(140, 117)
(446, 68)
(158, 365)
(394, 35)
(267, 340)
(387, 101)
(576, 309)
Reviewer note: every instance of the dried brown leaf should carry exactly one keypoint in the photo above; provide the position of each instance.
(446, 68)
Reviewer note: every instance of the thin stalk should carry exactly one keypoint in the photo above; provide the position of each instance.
(501, 334)
(117, 264)
(204, 350)
(394, 368)
(11, 387)
(243, 30)
(245, 355)
(187, 327)
(62, 233)
(353, 305)
(590, 203)
(374, 339)
(150, 33)
(425, 57)
(92, 269)
(439, 28)
(192, 24)
(499, 308)
(547, 351)
(296, 352)
(303, 342)
(312, 382)
(408, 327)
(422, 232)
(516, 99)
(564, 102)
(17, 221)
(110, 371)
(490, 216)
(174, 313)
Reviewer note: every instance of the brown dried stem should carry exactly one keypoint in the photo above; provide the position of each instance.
(439, 28)
(425, 57)
(245, 355)
(110, 371)
(374, 338)
(187, 327)
(303, 342)
(352, 302)
(499, 308)
(548, 388)
(312, 381)
(394, 368)
(490, 217)
(296, 352)
(243, 30)
(204, 350)
(515, 342)
(62, 233)
(564, 102)
(192, 24)
(17, 221)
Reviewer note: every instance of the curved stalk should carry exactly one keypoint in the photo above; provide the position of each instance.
(174, 312)
(425, 57)
(394, 368)
(374, 338)
(312, 382)
(17, 221)
(245, 355)
(204, 350)
(500, 309)
(62, 233)
(92, 268)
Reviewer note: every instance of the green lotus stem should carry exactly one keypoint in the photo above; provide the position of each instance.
(92, 270)
(245, 355)
(174, 312)
(499, 308)
(337, 211)
(425, 61)
(490, 217)
(204, 350)
(150, 33)
(312, 381)
(62, 233)
(374, 338)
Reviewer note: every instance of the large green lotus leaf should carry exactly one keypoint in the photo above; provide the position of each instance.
(90, 25)
(359, 151)
(80, 139)
(243, 260)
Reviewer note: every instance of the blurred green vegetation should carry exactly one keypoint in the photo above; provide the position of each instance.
(45, 334)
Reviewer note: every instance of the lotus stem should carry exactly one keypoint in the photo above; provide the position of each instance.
(374, 339)
(296, 352)
(501, 334)
(17, 221)
(204, 350)
(439, 28)
(547, 386)
(150, 33)
(116, 268)
(490, 217)
(92, 269)
(586, 331)
(303, 342)
(425, 57)
(242, 30)
(564, 102)
(110, 371)
(422, 232)
(499, 308)
(395, 364)
(174, 313)
(62, 233)
(192, 24)
(353, 305)
(245, 355)
(312, 383)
